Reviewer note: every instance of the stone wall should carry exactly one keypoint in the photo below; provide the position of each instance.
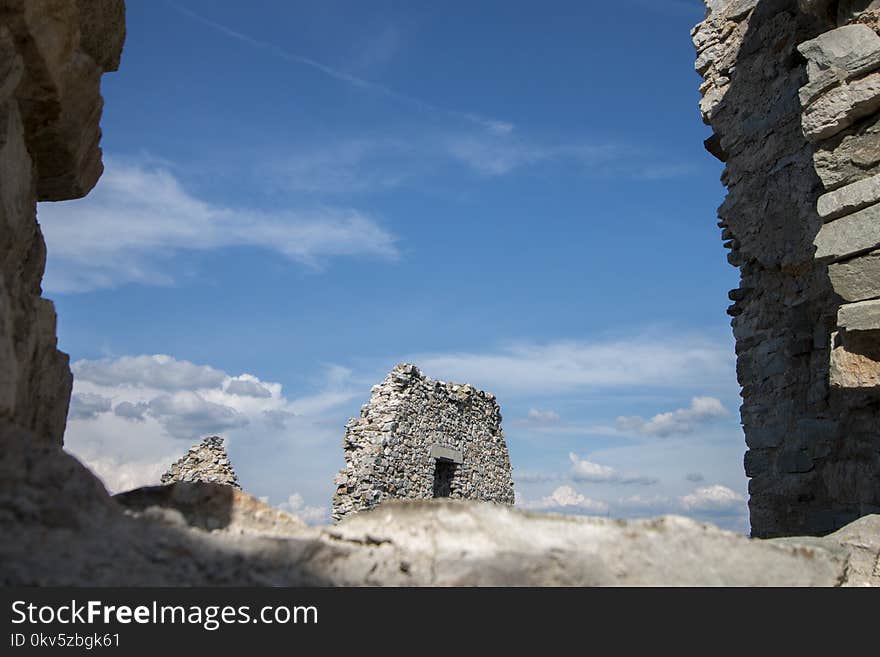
(792, 118)
(52, 55)
(206, 461)
(418, 439)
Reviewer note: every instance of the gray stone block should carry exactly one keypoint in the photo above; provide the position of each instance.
(857, 279)
(849, 235)
(841, 107)
(442, 453)
(837, 56)
(846, 49)
(849, 199)
(850, 156)
(860, 316)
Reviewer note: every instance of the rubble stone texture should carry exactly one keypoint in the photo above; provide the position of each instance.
(790, 92)
(207, 461)
(418, 439)
(52, 55)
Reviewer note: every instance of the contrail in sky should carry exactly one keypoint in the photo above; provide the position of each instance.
(493, 125)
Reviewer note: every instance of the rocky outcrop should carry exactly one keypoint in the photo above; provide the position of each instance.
(789, 92)
(419, 438)
(59, 527)
(52, 55)
(206, 461)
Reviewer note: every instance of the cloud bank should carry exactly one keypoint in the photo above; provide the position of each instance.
(679, 421)
(138, 217)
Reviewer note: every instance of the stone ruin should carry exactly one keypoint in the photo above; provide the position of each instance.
(792, 93)
(812, 438)
(421, 439)
(206, 461)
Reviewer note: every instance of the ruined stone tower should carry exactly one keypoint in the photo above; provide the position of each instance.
(792, 93)
(419, 439)
(205, 461)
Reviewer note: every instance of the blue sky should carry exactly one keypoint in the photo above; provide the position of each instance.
(300, 195)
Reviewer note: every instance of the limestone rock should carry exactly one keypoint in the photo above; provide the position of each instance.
(849, 199)
(857, 279)
(844, 49)
(841, 107)
(852, 370)
(452, 543)
(206, 461)
(52, 55)
(861, 316)
(849, 235)
(851, 156)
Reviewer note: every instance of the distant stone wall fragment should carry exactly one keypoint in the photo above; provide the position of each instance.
(419, 439)
(207, 462)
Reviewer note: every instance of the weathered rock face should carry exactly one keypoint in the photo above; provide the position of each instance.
(791, 94)
(207, 461)
(419, 439)
(52, 55)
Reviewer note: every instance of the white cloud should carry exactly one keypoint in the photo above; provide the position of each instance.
(682, 420)
(88, 406)
(712, 498)
(587, 471)
(186, 414)
(499, 153)
(569, 365)
(147, 418)
(248, 386)
(653, 504)
(138, 215)
(345, 167)
(130, 411)
(538, 417)
(313, 515)
(157, 371)
(566, 497)
(121, 474)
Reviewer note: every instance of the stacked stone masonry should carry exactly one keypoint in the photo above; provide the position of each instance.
(418, 439)
(791, 92)
(207, 461)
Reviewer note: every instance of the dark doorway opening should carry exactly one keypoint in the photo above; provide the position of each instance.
(444, 471)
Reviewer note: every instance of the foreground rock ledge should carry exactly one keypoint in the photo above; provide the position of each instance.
(58, 526)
